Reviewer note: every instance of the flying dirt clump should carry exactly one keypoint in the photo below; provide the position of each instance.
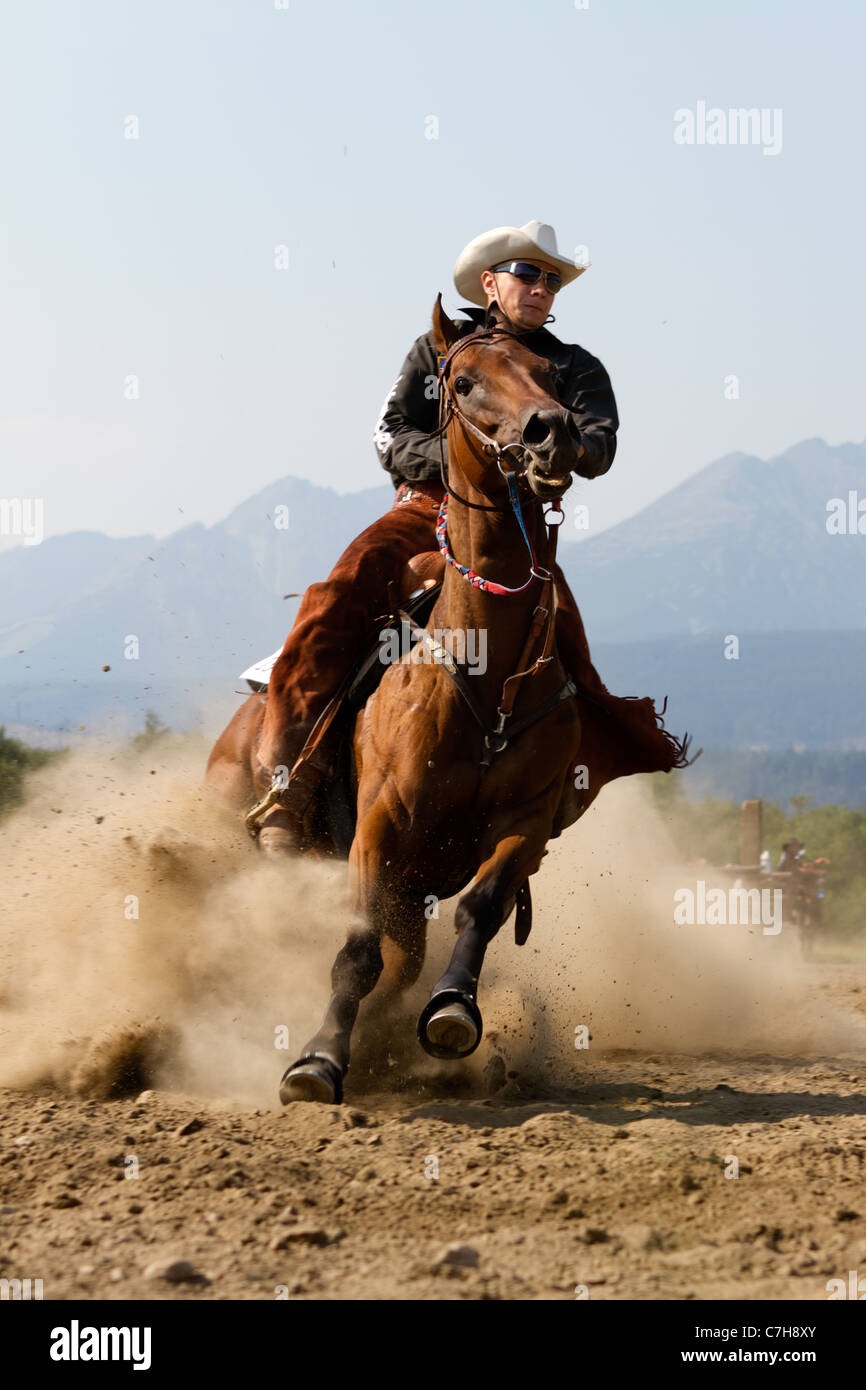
(123, 1061)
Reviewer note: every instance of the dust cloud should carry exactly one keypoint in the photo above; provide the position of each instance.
(606, 955)
(144, 940)
(142, 928)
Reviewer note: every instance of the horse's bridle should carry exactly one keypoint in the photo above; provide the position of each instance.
(542, 622)
(448, 410)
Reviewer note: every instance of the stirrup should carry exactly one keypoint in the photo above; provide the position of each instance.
(294, 797)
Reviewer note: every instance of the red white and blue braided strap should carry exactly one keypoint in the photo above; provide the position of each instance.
(489, 586)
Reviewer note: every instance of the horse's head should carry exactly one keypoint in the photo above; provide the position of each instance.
(507, 394)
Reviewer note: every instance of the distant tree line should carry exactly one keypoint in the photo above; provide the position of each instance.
(16, 760)
(826, 775)
(710, 829)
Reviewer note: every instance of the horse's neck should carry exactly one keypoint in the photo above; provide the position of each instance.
(492, 545)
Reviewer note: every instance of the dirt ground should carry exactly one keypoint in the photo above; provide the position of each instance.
(615, 1189)
(708, 1142)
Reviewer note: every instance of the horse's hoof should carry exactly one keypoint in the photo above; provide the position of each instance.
(450, 1026)
(453, 1030)
(313, 1078)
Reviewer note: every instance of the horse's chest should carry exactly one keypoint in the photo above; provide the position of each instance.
(457, 784)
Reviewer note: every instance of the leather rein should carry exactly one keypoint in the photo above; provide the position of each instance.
(542, 620)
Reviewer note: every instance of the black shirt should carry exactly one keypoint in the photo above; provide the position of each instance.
(411, 411)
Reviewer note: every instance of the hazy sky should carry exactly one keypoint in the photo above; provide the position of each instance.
(306, 126)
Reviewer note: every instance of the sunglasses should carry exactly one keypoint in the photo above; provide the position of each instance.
(531, 274)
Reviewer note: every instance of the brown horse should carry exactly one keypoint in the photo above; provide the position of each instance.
(459, 777)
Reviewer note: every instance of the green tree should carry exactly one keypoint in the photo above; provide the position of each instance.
(154, 730)
(710, 829)
(16, 760)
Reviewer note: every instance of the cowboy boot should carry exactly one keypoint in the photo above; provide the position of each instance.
(332, 631)
(282, 828)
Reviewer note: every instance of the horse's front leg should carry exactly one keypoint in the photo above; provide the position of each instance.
(319, 1071)
(450, 1024)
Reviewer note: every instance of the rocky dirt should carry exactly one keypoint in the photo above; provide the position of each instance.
(152, 1160)
(619, 1187)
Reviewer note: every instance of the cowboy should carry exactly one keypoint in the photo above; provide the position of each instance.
(512, 275)
(792, 857)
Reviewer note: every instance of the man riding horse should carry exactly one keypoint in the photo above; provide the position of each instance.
(512, 274)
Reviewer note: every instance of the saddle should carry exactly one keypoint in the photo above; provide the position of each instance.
(336, 793)
(622, 735)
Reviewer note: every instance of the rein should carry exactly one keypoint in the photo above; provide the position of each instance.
(495, 740)
(490, 586)
(449, 409)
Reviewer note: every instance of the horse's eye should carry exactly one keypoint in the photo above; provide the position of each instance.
(463, 386)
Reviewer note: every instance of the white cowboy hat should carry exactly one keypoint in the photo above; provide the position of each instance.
(536, 241)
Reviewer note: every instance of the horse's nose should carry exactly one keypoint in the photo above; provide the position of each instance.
(538, 428)
(547, 435)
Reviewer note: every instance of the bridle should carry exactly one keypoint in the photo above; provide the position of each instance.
(449, 410)
(541, 628)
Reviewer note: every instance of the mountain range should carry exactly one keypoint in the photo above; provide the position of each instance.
(741, 546)
(740, 550)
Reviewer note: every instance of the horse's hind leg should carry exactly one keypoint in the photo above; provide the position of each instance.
(450, 1024)
(404, 959)
(228, 775)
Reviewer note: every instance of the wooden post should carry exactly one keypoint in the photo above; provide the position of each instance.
(750, 834)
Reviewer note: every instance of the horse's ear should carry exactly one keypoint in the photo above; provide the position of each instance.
(445, 331)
